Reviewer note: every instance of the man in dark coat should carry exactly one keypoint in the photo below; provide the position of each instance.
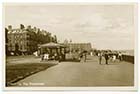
(106, 57)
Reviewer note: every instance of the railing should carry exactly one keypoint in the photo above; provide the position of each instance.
(128, 58)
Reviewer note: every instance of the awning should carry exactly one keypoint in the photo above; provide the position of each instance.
(52, 45)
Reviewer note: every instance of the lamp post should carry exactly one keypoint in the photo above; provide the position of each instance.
(70, 46)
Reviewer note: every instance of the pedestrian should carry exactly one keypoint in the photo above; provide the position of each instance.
(85, 57)
(114, 58)
(60, 57)
(81, 56)
(120, 56)
(91, 53)
(55, 56)
(46, 56)
(42, 57)
(106, 57)
(100, 57)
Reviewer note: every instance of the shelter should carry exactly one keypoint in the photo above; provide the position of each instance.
(52, 45)
(55, 50)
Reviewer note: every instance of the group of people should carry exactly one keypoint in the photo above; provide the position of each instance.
(44, 56)
(83, 57)
(54, 56)
(109, 56)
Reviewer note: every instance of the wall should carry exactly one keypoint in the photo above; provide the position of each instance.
(128, 58)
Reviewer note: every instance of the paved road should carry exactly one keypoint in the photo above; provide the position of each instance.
(90, 73)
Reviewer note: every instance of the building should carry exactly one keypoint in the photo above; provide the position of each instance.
(21, 40)
(26, 40)
(79, 47)
(6, 41)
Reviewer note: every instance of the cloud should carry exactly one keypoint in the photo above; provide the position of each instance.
(103, 25)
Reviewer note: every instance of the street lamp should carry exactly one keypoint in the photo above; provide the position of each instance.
(70, 46)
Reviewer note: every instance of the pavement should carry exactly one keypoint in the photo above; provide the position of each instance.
(83, 74)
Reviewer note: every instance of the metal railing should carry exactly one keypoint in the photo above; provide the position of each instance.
(128, 58)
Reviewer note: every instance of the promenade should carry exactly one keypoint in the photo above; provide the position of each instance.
(78, 74)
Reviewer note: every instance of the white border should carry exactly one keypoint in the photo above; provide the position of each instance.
(136, 53)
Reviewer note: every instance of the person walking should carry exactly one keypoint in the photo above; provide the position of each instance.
(81, 57)
(42, 56)
(106, 57)
(60, 58)
(46, 56)
(114, 58)
(85, 57)
(100, 57)
(120, 56)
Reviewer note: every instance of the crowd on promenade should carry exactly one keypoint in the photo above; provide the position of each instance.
(82, 56)
(75, 56)
(112, 56)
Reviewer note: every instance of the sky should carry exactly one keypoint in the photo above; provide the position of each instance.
(108, 26)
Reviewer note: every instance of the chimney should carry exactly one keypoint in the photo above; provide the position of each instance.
(10, 27)
(22, 26)
(29, 27)
(35, 29)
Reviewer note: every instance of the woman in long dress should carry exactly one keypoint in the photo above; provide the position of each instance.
(114, 58)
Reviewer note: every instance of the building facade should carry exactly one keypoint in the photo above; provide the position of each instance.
(21, 41)
(79, 47)
(26, 40)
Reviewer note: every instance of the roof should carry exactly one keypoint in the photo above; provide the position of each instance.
(16, 31)
(52, 45)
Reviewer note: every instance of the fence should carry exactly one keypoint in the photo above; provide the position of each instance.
(128, 58)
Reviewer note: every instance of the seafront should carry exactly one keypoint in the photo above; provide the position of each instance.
(89, 73)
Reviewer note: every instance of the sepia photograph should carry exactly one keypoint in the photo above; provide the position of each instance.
(70, 45)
